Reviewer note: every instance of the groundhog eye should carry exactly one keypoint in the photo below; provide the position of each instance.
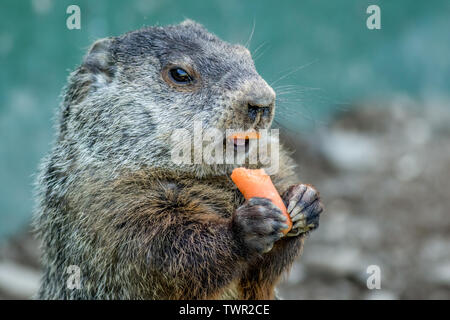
(180, 76)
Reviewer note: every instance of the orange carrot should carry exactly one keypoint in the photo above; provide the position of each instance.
(245, 135)
(256, 183)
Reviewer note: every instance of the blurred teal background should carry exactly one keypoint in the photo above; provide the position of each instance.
(322, 48)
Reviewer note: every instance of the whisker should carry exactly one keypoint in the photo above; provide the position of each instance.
(261, 53)
(293, 71)
(259, 47)
(247, 44)
(294, 86)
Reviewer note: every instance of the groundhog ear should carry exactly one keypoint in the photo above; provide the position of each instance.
(99, 60)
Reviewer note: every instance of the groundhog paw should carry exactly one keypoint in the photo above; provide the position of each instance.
(304, 207)
(258, 223)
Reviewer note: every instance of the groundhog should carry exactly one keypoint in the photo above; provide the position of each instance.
(138, 226)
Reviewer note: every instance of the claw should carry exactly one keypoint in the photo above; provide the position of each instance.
(299, 217)
(310, 196)
(291, 206)
(297, 195)
(296, 210)
(294, 233)
(299, 224)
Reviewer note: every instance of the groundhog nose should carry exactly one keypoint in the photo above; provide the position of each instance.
(260, 102)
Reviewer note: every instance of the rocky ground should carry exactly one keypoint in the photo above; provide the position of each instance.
(384, 177)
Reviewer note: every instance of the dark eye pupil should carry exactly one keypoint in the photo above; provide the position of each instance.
(179, 75)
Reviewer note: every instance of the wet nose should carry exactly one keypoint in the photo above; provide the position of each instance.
(261, 101)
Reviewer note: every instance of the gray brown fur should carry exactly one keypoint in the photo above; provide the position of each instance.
(111, 201)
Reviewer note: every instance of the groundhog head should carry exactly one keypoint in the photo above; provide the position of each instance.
(131, 92)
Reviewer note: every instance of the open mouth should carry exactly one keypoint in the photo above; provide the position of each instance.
(241, 140)
(241, 143)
